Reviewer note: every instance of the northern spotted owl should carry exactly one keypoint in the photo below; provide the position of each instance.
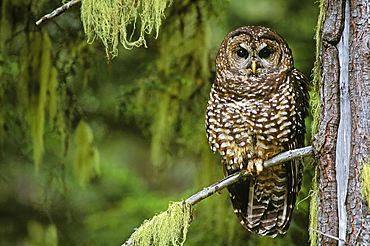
(256, 110)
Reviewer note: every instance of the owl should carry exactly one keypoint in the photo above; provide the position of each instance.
(256, 110)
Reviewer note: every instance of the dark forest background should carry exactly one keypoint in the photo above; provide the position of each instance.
(90, 148)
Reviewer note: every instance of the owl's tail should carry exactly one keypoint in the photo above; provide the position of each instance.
(264, 204)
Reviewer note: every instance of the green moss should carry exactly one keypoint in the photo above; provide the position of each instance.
(167, 228)
(110, 21)
(86, 163)
(163, 127)
(315, 109)
(316, 74)
(313, 210)
(53, 95)
(365, 178)
(38, 234)
(37, 94)
(41, 65)
(171, 101)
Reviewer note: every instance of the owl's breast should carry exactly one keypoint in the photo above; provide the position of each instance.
(254, 127)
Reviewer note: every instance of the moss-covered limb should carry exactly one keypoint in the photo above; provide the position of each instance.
(170, 227)
(110, 21)
(167, 228)
(58, 11)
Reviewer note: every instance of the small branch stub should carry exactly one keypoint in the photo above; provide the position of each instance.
(330, 236)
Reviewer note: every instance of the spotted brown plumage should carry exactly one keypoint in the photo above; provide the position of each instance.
(256, 110)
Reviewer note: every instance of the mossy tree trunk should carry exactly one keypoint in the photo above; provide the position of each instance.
(342, 143)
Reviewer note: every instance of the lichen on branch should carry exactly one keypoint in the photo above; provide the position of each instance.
(115, 21)
(167, 228)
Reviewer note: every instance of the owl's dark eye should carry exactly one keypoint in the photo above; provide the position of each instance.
(242, 53)
(265, 52)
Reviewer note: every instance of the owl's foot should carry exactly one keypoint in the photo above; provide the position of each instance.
(255, 166)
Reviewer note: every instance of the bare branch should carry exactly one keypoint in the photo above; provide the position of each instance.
(58, 11)
(283, 157)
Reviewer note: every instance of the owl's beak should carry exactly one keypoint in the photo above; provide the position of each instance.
(254, 66)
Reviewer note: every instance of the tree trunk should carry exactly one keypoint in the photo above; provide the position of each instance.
(342, 143)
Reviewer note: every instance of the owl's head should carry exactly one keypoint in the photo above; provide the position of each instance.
(254, 52)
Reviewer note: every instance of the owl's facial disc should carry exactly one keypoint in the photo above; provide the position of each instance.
(253, 57)
(261, 59)
(251, 63)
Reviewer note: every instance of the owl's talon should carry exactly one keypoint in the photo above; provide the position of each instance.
(255, 166)
(259, 166)
(251, 168)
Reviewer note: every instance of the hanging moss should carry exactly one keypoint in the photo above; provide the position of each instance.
(163, 127)
(8, 72)
(29, 96)
(53, 99)
(167, 228)
(38, 234)
(5, 26)
(40, 61)
(184, 48)
(86, 163)
(172, 101)
(37, 95)
(111, 20)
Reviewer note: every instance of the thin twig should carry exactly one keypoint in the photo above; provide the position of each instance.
(58, 11)
(327, 235)
(283, 157)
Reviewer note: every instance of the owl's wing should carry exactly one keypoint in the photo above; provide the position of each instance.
(264, 204)
(301, 87)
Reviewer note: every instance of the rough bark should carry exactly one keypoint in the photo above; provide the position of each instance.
(325, 144)
(342, 143)
(358, 226)
(326, 139)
